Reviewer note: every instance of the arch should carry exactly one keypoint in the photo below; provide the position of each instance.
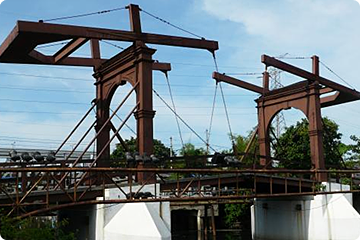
(133, 65)
(304, 96)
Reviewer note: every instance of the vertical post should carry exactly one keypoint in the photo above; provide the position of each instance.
(213, 227)
(102, 114)
(135, 23)
(263, 135)
(266, 81)
(95, 51)
(145, 113)
(315, 125)
(315, 65)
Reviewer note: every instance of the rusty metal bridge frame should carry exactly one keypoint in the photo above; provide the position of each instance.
(34, 190)
(204, 186)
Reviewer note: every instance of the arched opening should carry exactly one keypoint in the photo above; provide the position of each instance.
(289, 140)
(123, 120)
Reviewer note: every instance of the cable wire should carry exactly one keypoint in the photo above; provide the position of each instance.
(112, 44)
(52, 45)
(173, 104)
(172, 25)
(224, 102)
(83, 15)
(122, 121)
(212, 113)
(337, 75)
(192, 130)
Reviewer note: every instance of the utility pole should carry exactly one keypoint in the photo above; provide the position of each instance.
(207, 141)
(171, 147)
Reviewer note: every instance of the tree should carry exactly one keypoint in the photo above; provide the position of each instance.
(33, 228)
(241, 142)
(160, 150)
(293, 146)
(189, 151)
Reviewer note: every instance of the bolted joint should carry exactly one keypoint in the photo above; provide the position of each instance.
(144, 114)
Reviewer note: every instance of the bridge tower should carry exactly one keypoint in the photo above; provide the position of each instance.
(304, 95)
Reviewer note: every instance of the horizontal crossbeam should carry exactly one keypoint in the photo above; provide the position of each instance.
(236, 82)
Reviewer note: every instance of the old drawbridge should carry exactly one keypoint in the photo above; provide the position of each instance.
(39, 188)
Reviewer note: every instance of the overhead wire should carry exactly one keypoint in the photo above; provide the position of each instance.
(44, 76)
(172, 25)
(112, 44)
(52, 45)
(122, 121)
(337, 75)
(175, 113)
(83, 15)
(224, 103)
(191, 129)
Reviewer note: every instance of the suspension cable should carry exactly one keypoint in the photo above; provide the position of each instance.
(224, 102)
(112, 44)
(337, 75)
(182, 120)
(83, 15)
(116, 115)
(173, 105)
(172, 25)
(212, 114)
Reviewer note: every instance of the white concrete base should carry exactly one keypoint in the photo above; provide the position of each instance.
(132, 221)
(320, 217)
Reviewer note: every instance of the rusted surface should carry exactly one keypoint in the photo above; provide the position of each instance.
(303, 95)
(83, 185)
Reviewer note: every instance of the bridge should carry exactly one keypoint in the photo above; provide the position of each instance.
(41, 187)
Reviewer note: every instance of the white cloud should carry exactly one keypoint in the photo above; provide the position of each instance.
(328, 28)
(358, 1)
(1, 1)
(290, 22)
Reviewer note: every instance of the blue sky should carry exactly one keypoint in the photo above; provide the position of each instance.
(29, 116)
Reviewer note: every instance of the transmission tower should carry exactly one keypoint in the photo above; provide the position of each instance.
(275, 82)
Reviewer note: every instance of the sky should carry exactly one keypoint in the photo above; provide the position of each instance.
(39, 105)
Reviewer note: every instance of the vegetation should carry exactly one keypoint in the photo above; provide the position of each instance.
(236, 213)
(293, 146)
(33, 229)
(189, 151)
(160, 150)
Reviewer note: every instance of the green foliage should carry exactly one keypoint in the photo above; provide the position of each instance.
(160, 150)
(293, 146)
(241, 143)
(235, 213)
(33, 229)
(189, 151)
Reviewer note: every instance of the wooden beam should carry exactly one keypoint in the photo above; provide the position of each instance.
(329, 99)
(158, 66)
(69, 48)
(270, 61)
(326, 90)
(134, 14)
(41, 57)
(49, 30)
(236, 82)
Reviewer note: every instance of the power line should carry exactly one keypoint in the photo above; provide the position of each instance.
(43, 89)
(42, 76)
(172, 25)
(183, 121)
(112, 44)
(83, 15)
(329, 69)
(52, 45)
(78, 113)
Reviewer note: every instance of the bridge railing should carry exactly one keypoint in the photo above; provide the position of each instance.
(40, 190)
